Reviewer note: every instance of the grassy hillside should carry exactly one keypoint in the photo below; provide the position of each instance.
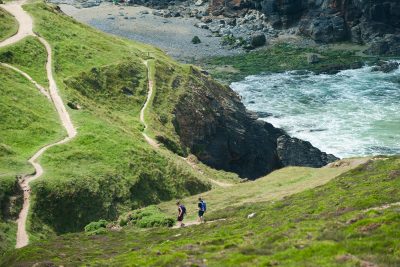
(28, 122)
(343, 223)
(8, 25)
(29, 55)
(276, 185)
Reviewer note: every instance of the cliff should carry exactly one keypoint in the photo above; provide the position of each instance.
(375, 22)
(214, 124)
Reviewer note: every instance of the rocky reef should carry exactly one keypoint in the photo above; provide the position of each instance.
(214, 124)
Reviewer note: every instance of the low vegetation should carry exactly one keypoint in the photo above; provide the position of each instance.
(347, 222)
(148, 217)
(8, 25)
(280, 58)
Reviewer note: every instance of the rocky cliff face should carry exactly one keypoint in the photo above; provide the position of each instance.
(211, 120)
(361, 21)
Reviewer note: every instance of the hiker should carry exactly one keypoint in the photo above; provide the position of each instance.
(181, 214)
(202, 208)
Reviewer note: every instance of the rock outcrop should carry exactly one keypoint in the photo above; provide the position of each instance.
(361, 21)
(214, 124)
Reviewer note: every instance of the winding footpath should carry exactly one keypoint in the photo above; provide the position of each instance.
(26, 29)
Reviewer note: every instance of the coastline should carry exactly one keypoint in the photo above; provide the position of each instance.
(172, 35)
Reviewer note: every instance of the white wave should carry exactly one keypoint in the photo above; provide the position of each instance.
(351, 113)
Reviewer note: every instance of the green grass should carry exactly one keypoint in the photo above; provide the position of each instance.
(275, 186)
(27, 123)
(8, 25)
(108, 168)
(279, 58)
(325, 226)
(29, 55)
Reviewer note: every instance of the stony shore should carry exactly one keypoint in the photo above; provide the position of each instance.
(173, 35)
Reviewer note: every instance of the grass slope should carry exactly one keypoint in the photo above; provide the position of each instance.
(342, 223)
(8, 25)
(274, 186)
(28, 122)
(108, 168)
(29, 55)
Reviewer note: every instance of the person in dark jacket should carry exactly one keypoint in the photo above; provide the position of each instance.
(181, 214)
(202, 209)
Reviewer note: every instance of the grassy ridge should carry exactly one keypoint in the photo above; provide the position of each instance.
(8, 25)
(28, 122)
(342, 223)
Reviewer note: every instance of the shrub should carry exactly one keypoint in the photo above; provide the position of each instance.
(150, 216)
(96, 226)
(196, 40)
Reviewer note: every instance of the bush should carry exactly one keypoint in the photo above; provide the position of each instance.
(196, 40)
(96, 227)
(148, 217)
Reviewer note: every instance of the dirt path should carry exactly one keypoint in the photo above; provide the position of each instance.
(149, 140)
(24, 20)
(191, 223)
(26, 29)
(38, 86)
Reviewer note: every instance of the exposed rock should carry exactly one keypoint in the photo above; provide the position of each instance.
(199, 3)
(74, 105)
(296, 152)
(258, 39)
(386, 66)
(214, 124)
(389, 45)
(312, 58)
(327, 21)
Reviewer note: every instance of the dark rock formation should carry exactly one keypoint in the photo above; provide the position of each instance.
(213, 123)
(386, 66)
(258, 39)
(296, 152)
(361, 21)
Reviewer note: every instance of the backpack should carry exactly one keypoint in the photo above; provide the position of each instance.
(203, 205)
(183, 208)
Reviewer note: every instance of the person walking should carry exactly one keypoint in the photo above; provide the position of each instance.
(181, 214)
(202, 209)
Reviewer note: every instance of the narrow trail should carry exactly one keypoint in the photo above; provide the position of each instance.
(26, 29)
(38, 86)
(192, 223)
(25, 22)
(154, 143)
(149, 140)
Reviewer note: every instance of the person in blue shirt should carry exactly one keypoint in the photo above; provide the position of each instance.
(202, 209)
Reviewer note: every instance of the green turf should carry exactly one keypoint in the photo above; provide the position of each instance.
(8, 25)
(29, 55)
(326, 226)
(27, 123)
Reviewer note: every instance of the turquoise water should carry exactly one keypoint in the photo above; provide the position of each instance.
(352, 113)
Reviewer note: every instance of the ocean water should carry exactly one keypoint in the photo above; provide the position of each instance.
(352, 113)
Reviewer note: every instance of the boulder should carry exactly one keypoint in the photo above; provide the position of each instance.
(295, 152)
(258, 39)
(313, 58)
(386, 66)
